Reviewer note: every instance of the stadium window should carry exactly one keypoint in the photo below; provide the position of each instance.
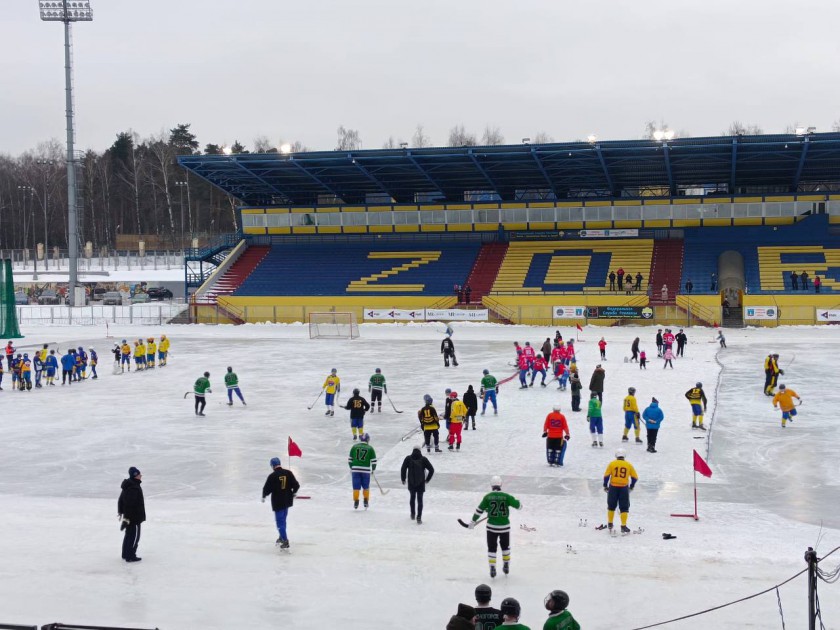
(656, 212)
(787, 209)
(627, 213)
(459, 216)
(406, 218)
(514, 215)
(380, 218)
(297, 218)
(253, 220)
(354, 218)
(756, 209)
(277, 219)
(545, 215)
(833, 207)
(430, 217)
(328, 218)
(772, 209)
(487, 216)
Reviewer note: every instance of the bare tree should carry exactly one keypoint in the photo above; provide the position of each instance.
(737, 128)
(458, 137)
(164, 155)
(420, 139)
(390, 143)
(542, 137)
(348, 140)
(492, 136)
(263, 145)
(651, 127)
(835, 126)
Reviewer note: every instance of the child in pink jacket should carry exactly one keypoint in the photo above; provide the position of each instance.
(668, 356)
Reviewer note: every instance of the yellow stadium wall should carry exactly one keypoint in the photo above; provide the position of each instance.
(296, 309)
(793, 309)
(537, 310)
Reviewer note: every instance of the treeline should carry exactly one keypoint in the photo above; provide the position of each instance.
(134, 187)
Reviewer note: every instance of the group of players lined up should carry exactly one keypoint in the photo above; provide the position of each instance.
(144, 353)
(43, 366)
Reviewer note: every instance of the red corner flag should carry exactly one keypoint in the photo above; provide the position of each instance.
(701, 466)
(579, 328)
(294, 450)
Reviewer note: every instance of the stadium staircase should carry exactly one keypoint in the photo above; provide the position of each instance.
(485, 270)
(229, 281)
(666, 269)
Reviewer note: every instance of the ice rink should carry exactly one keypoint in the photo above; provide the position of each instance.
(209, 559)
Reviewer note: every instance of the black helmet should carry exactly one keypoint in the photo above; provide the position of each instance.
(427, 399)
(483, 594)
(355, 391)
(510, 607)
(556, 600)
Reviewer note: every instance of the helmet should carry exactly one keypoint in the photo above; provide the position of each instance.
(510, 607)
(25, 355)
(355, 391)
(780, 386)
(483, 593)
(427, 399)
(620, 453)
(527, 343)
(275, 462)
(453, 395)
(631, 390)
(230, 369)
(124, 341)
(698, 384)
(556, 600)
(365, 437)
(556, 407)
(207, 375)
(495, 481)
(333, 371)
(485, 372)
(163, 336)
(378, 371)
(448, 391)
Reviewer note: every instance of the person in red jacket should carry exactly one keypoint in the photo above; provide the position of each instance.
(817, 283)
(538, 366)
(556, 434)
(528, 351)
(603, 347)
(558, 354)
(620, 273)
(524, 366)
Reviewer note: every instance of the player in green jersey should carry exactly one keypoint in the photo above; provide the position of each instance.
(232, 384)
(376, 386)
(201, 387)
(362, 462)
(511, 610)
(497, 504)
(556, 603)
(489, 389)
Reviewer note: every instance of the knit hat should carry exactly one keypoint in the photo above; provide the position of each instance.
(466, 612)
(275, 462)
(653, 400)
(133, 472)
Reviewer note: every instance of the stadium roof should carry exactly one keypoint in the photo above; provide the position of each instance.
(624, 168)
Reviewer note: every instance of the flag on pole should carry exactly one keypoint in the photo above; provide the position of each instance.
(294, 449)
(579, 328)
(701, 466)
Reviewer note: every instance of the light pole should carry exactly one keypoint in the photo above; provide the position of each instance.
(68, 11)
(46, 164)
(30, 191)
(181, 186)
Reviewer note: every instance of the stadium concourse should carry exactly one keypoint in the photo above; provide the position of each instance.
(209, 558)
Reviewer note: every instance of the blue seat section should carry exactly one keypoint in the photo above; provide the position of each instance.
(809, 243)
(346, 269)
(599, 268)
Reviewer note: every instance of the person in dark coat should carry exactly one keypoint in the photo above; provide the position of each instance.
(546, 349)
(417, 470)
(612, 280)
(681, 340)
(576, 385)
(635, 350)
(463, 620)
(282, 486)
(794, 280)
(471, 401)
(447, 349)
(132, 510)
(659, 343)
(596, 383)
(804, 277)
(639, 279)
(689, 286)
(467, 294)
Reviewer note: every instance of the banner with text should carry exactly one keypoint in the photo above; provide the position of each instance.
(569, 312)
(761, 312)
(828, 316)
(455, 314)
(619, 312)
(395, 314)
(609, 233)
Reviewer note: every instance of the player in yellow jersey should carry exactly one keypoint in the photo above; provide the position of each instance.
(163, 350)
(331, 386)
(697, 397)
(125, 354)
(139, 356)
(631, 415)
(619, 480)
(151, 348)
(784, 399)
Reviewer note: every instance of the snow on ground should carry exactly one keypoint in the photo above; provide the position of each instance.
(209, 559)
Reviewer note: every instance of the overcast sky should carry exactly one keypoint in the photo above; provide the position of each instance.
(296, 70)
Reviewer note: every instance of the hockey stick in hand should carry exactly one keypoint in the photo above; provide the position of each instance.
(372, 474)
(392, 403)
(316, 400)
(467, 525)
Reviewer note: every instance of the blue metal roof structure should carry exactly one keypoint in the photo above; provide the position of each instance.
(573, 170)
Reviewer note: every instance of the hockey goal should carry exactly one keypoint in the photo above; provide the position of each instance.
(333, 326)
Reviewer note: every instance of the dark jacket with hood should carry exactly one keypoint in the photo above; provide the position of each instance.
(471, 401)
(414, 469)
(596, 383)
(131, 503)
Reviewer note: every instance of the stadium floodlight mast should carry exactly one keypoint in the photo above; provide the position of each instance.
(69, 11)
(663, 135)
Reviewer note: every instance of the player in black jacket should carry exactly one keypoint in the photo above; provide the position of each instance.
(418, 471)
(447, 349)
(487, 617)
(681, 338)
(471, 401)
(358, 407)
(132, 510)
(282, 486)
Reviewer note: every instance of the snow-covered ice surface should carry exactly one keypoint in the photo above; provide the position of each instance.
(209, 559)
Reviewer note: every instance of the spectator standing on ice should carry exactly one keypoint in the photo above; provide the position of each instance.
(642, 360)
(681, 340)
(131, 508)
(669, 358)
(471, 401)
(416, 472)
(602, 346)
(653, 417)
(721, 339)
(659, 342)
(596, 383)
(576, 385)
(282, 486)
(546, 349)
(634, 349)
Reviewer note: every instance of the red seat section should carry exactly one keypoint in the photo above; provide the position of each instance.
(666, 269)
(236, 274)
(484, 270)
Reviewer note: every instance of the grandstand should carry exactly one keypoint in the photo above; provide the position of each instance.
(527, 228)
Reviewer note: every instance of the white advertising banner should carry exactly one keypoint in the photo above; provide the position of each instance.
(625, 233)
(458, 315)
(761, 312)
(395, 314)
(569, 312)
(828, 316)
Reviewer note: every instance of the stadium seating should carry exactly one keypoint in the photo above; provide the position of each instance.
(336, 269)
(534, 267)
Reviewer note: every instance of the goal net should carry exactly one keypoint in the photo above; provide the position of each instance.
(333, 326)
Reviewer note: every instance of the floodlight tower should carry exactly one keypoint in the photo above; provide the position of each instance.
(68, 11)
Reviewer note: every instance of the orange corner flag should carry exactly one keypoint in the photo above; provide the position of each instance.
(701, 466)
(294, 450)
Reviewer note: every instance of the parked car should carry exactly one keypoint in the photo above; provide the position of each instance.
(112, 298)
(140, 298)
(98, 294)
(21, 298)
(49, 297)
(159, 293)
